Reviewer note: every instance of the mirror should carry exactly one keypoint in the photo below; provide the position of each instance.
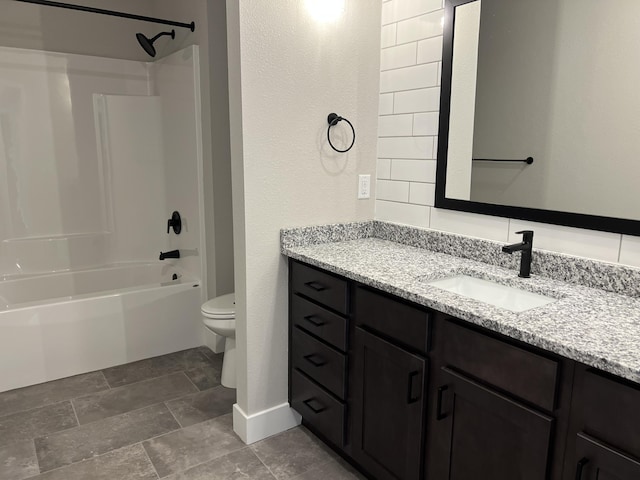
(554, 82)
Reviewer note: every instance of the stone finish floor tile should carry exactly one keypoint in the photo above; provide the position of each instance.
(334, 470)
(18, 460)
(292, 453)
(183, 449)
(129, 463)
(156, 367)
(36, 422)
(131, 397)
(240, 465)
(202, 406)
(56, 391)
(100, 437)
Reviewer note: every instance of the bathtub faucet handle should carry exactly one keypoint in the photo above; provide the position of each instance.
(175, 222)
(171, 254)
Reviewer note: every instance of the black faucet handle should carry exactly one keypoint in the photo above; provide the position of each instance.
(176, 222)
(527, 235)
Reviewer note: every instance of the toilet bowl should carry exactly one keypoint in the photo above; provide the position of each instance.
(219, 316)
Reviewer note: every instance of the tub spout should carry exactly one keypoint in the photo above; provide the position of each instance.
(171, 254)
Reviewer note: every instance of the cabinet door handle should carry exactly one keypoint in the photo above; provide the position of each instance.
(439, 414)
(315, 363)
(318, 287)
(410, 397)
(580, 467)
(312, 321)
(321, 409)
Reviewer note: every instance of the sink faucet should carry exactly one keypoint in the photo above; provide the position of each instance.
(525, 247)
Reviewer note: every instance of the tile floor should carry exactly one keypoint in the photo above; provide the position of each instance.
(164, 417)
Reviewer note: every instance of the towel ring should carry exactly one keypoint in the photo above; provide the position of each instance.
(333, 120)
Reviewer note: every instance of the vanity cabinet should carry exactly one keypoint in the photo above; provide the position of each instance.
(318, 320)
(605, 428)
(406, 393)
(388, 385)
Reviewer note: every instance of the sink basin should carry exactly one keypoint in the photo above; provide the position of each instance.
(509, 298)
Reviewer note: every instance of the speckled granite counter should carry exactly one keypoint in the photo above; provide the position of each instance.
(589, 325)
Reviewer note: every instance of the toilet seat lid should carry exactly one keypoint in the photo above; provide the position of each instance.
(221, 307)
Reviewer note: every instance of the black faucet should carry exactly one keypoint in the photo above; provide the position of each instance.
(525, 247)
(171, 254)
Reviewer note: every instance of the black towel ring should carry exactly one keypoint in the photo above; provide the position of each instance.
(333, 120)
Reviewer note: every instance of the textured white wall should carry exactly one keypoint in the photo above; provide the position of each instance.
(406, 161)
(294, 71)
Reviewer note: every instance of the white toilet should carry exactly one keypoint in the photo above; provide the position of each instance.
(219, 316)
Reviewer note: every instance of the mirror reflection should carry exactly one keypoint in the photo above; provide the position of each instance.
(555, 80)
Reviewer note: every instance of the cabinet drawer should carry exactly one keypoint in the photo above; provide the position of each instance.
(319, 321)
(320, 286)
(520, 372)
(402, 322)
(610, 411)
(319, 361)
(318, 408)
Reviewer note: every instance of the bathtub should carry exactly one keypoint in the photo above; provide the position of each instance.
(56, 325)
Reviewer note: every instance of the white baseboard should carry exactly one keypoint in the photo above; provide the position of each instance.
(253, 428)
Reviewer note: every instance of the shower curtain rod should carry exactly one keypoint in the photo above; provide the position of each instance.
(191, 26)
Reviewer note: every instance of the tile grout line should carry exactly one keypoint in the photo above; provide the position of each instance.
(105, 379)
(173, 415)
(73, 407)
(146, 454)
(262, 462)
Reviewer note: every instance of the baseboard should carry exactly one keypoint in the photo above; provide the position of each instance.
(253, 428)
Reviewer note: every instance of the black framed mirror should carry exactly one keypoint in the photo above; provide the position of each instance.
(550, 80)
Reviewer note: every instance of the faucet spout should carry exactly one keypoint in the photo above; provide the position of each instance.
(171, 254)
(525, 247)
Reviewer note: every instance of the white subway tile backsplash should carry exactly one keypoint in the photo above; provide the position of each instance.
(471, 224)
(398, 57)
(388, 35)
(393, 191)
(413, 170)
(573, 241)
(407, 213)
(435, 148)
(409, 78)
(405, 147)
(395, 126)
(422, 193)
(413, 101)
(425, 123)
(383, 168)
(430, 50)
(420, 28)
(397, 10)
(630, 250)
(385, 105)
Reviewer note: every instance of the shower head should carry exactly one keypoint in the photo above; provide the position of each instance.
(147, 43)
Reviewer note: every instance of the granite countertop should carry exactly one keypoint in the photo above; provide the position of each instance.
(589, 325)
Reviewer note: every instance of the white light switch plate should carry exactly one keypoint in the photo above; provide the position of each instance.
(364, 186)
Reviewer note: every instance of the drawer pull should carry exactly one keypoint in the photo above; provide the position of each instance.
(318, 287)
(439, 414)
(320, 409)
(312, 321)
(410, 397)
(315, 363)
(580, 467)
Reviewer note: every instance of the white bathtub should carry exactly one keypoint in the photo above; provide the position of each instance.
(57, 325)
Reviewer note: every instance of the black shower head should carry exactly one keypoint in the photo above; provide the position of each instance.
(147, 43)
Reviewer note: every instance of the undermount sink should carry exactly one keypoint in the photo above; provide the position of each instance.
(502, 296)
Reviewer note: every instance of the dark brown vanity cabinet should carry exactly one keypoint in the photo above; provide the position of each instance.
(486, 423)
(410, 394)
(388, 385)
(318, 321)
(605, 440)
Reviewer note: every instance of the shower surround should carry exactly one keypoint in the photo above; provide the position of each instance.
(95, 154)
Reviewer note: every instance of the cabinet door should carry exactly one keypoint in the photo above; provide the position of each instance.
(597, 461)
(484, 434)
(388, 408)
